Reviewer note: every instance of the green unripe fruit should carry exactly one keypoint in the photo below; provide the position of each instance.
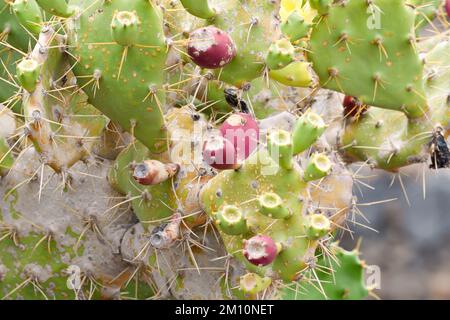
(28, 71)
(280, 54)
(279, 144)
(319, 166)
(198, 8)
(317, 226)
(125, 28)
(296, 74)
(307, 130)
(271, 205)
(251, 283)
(231, 220)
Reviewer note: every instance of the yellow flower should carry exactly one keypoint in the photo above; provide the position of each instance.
(289, 6)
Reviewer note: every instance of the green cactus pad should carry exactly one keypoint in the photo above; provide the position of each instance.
(125, 83)
(345, 281)
(360, 49)
(295, 27)
(23, 260)
(28, 14)
(150, 203)
(425, 11)
(248, 23)
(58, 8)
(198, 8)
(388, 139)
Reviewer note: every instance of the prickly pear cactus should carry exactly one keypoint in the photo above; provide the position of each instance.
(203, 149)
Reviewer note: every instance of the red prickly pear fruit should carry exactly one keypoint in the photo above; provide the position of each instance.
(447, 7)
(211, 48)
(353, 107)
(260, 250)
(349, 102)
(219, 153)
(243, 131)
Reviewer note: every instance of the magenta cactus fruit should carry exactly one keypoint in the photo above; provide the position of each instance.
(447, 7)
(353, 107)
(243, 131)
(211, 47)
(219, 153)
(260, 250)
